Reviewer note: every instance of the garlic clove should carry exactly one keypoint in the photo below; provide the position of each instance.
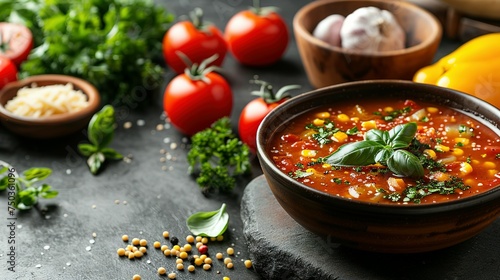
(328, 29)
(371, 29)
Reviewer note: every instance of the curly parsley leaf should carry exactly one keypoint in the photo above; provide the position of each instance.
(218, 157)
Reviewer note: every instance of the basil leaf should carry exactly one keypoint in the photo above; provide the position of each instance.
(379, 136)
(356, 153)
(405, 164)
(2, 170)
(37, 173)
(383, 155)
(401, 135)
(101, 127)
(28, 197)
(211, 224)
(111, 153)
(4, 183)
(95, 161)
(87, 149)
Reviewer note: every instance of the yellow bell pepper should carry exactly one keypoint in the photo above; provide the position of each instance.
(473, 68)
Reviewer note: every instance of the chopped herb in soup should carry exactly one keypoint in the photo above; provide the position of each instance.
(402, 153)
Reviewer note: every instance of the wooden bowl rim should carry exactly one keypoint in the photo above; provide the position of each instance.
(434, 34)
(51, 79)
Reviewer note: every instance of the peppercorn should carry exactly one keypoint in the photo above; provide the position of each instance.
(248, 263)
(174, 240)
(136, 277)
(166, 234)
(191, 268)
(162, 270)
(230, 251)
(203, 249)
(191, 259)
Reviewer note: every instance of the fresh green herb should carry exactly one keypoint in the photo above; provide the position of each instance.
(459, 144)
(497, 156)
(220, 155)
(26, 193)
(113, 44)
(425, 119)
(211, 224)
(390, 116)
(337, 181)
(352, 131)
(300, 174)
(439, 141)
(299, 165)
(469, 160)
(101, 131)
(324, 132)
(463, 128)
(384, 147)
(424, 188)
(416, 147)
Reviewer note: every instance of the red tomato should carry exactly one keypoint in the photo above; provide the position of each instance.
(254, 112)
(193, 105)
(8, 71)
(16, 42)
(257, 39)
(196, 41)
(250, 118)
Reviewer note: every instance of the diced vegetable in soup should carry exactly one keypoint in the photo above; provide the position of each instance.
(393, 152)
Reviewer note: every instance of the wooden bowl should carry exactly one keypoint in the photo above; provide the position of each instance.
(376, 227)
(328, 65)
(52, 126)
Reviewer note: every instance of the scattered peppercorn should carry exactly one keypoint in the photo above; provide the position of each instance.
(162, 270)
(191, 268)
(203, 249)
(180, 266)
(219, 256)
(207, 266)
(166, 234)
(143, 242)
(191, 259)
(230, 251)
(248, 263)
(174, 240)
(121, 252)
(172, 275)
(136, 277)
(230, 265)
(125, 239)
(190, 239)
(136, 241)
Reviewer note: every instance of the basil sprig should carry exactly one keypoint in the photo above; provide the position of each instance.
(101, 131)
(384, 147)
(26, 193)
(211, 224)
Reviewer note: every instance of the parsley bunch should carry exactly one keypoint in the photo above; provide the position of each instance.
(219, 155)
(113, 44)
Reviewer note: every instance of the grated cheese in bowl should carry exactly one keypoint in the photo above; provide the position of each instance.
(47, 101)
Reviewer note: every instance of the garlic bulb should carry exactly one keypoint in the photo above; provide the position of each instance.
(371, 29)
(328, 29)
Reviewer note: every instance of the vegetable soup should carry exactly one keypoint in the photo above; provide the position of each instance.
(393, 152)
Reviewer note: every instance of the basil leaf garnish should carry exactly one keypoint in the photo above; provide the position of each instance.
(406, 164)
(384, 147)
(211, 224)
(401, 135)
(356, 153)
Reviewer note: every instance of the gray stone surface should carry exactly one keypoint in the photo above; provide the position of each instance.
(282, 249)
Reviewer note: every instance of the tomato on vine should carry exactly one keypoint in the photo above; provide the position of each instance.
(8, 71)
(197, 98)
(258, 36)
(197, 39)
(16, 42)
(254, 112)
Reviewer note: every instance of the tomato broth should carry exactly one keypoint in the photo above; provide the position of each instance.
(457, 155)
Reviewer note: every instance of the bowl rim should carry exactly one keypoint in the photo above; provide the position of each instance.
(86, 87)
(407, 209)
(434, 35)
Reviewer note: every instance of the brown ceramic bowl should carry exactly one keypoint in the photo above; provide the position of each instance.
(53, 126)
(328, 65)
(379, 227)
